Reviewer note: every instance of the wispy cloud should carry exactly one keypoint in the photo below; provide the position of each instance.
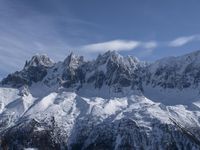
(119, 45)
(180, 41)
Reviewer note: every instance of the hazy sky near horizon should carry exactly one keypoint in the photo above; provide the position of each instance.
(147, 29)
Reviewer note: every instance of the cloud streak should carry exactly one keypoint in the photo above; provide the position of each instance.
(119, 45)
(181, 41)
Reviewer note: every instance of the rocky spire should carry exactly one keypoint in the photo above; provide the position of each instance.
(73, 61)
(39, 60)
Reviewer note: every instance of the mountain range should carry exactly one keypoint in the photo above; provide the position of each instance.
(113, 102)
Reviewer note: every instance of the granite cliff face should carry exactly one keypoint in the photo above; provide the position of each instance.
(112, 102)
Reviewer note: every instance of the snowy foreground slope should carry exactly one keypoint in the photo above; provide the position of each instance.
(113, 102)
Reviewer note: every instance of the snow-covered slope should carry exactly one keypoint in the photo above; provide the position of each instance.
(113, 102)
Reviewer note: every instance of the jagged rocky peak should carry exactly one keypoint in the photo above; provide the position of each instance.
(71, 73)
(109, 55)
(39, 60)
(114, 56)
(112, 61)
(34, 71)
(113, 69)
(73, 61)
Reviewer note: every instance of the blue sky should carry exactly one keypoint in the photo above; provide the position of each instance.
(147, 29)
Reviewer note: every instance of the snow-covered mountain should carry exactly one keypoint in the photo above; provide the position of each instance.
(112, 102)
